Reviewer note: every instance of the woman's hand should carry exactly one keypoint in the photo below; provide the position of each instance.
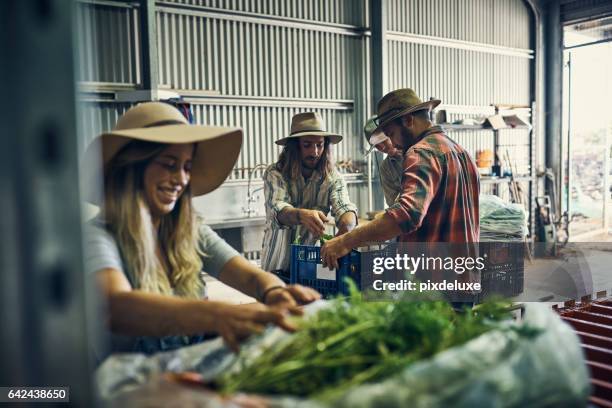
(291, 296)
(237, 322)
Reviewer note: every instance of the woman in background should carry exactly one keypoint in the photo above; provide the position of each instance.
(148, 247)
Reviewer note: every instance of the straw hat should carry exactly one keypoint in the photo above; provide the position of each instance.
(308, 124)
(399, 103)
(217, 148)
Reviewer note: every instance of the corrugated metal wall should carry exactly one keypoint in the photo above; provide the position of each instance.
(259, 71)
(108, 48)
(470, 54)
(497, 22)
(107, 41)
(264, 124)
(255, 63)
(96, 116)
(251, 64)
(348, 12)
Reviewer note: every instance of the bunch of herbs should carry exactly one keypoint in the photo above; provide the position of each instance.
(356, 341)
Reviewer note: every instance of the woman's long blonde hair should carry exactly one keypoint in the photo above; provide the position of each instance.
(128, 218)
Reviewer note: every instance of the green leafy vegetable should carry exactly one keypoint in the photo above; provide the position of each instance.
(355, 341)
(325, 237)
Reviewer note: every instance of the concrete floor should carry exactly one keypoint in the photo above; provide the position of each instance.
(599, 237)
(580, 269)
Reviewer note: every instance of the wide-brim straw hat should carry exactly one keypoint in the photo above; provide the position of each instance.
(398, 103)
(216, 152)
(373, 135)
(309, 124)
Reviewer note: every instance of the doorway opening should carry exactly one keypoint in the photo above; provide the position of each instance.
(587, 129)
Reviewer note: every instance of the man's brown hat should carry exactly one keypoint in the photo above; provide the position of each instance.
(398, 103)
(309, 124)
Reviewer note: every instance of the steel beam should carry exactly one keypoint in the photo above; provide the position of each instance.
(553, 67)
(379, 49)
(459, 44)
(148, 45)
(42, 285)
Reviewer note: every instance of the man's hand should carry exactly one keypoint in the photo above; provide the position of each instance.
(314, 221)
(236, 322)
(291, 297)
(334, 249)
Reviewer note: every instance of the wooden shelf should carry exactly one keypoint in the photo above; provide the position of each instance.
(452, 127)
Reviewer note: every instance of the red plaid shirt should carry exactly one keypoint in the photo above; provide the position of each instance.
(440, 188)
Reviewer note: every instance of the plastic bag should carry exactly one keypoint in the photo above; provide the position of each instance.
(123, 372)
(497, 369)
(500, 220)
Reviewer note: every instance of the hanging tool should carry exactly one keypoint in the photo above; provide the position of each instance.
(560, 220)
(546, 228)
(516, 190)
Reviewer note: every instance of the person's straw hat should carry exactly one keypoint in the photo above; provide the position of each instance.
(308, 124)
(373, 135)
(398, 103)
(217, 148)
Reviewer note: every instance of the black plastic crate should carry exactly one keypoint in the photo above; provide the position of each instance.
(503, 274)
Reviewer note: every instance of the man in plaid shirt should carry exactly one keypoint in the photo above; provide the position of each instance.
(440, 183)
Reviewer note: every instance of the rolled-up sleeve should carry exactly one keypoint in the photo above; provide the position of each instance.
(420, 183)
(216, 251)
(339, 198)
(277, 195)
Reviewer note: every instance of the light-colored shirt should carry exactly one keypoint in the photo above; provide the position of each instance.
(102, 252)
(316, 193)
(391, 170)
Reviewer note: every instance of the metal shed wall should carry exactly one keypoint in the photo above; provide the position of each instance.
(255, 63)
(259, 72)
(470, 54)
(251, 64)
(573, 11)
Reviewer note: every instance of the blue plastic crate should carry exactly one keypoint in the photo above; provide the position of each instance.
(306, 259)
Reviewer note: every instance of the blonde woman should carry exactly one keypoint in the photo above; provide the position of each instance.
(148, 247)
